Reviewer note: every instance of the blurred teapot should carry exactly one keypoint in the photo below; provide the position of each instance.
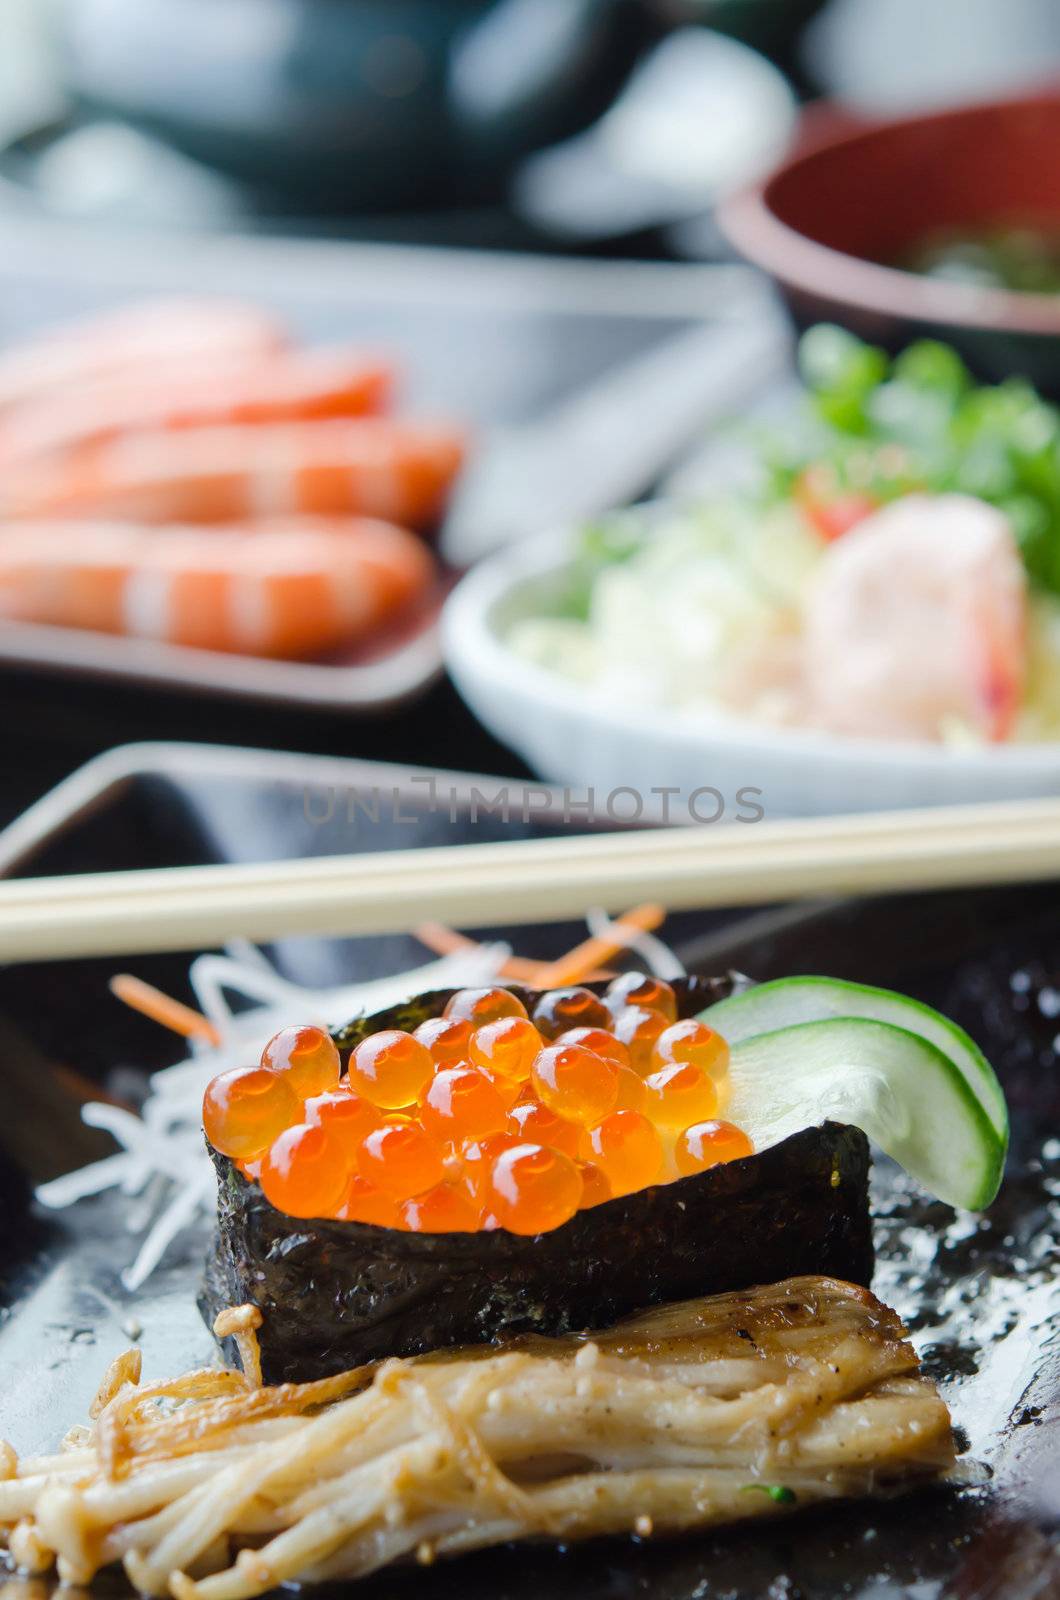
(351, 105)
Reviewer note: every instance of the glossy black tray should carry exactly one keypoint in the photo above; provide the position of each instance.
(981, 1295)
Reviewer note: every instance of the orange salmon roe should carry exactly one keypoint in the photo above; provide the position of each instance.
(599, 1041)
(507, 1089)
(508, 1046)
(628, 1149)
(479, 1006)
(595, 1187)
(306, 1172)
(443, 1209)
(641, 989)
(638, 1030)
(632, 1095)
(307, 1057)
(482, 1118)
(390, 1069)
(244, 1110)
(532, 1190)
(536, 1124)
(561, 1009)
(477, 1158)
(461, 1104)
(342, 1114)
(575, 1083)
(401, 1159)
(694, 1042)
(679, 1095)
(707, 1144)
(363, 1202)
(446, 1038)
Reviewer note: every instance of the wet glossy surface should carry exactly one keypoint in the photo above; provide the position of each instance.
(980, 1295)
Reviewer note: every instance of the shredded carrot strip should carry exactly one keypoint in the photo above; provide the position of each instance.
(83, 1089)
(525, 971)
(446, 942)
(162, 1008)
(578, 963)
(442, 940)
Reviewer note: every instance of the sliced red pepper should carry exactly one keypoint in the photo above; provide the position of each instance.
(831, 511)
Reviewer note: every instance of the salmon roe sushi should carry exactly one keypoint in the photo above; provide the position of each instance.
(390, 1069)
(575, 1083)
(507, 1046)
(679, 1095)
(401, 1159)
(532, 1190)
(462, 1104)
(562, 1009)
(446, 1038)
(307, 1057)
(536, 1124)
(708, 1144)
(479, 1006)
(306, 1172)
(482, 1118)
(443, 1209)
(643, 990)
(628, 1149)
(245, 1109)
(695, 1043)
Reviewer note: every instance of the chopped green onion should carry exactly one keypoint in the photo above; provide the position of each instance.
(779, 1493)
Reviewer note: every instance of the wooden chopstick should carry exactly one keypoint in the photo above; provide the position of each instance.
(528, 881)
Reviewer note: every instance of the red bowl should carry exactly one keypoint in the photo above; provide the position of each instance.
(825, 222)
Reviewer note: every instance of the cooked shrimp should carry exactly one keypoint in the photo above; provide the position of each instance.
(282, 387)
(374, 467)
(290, 589)
(150, 336)
(917, 623)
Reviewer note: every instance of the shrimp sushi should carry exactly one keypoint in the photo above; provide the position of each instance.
(242, 388)
(147, 337)
(373, 467)
(287, 590)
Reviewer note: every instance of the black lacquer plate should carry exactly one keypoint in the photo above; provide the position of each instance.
(981, 1295)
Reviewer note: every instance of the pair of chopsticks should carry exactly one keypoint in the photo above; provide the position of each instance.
(529, 881)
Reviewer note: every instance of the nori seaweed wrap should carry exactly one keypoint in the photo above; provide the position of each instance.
(334, 1295)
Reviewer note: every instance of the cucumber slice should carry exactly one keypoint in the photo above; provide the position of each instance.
(785, 1001)
(909, 1097)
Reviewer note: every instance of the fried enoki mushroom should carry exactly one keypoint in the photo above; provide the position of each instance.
(741, 1405)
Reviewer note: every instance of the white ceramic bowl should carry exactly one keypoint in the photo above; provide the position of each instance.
(571, 737)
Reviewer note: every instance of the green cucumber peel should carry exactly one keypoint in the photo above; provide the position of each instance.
(785, 1001)
(899, 1088)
